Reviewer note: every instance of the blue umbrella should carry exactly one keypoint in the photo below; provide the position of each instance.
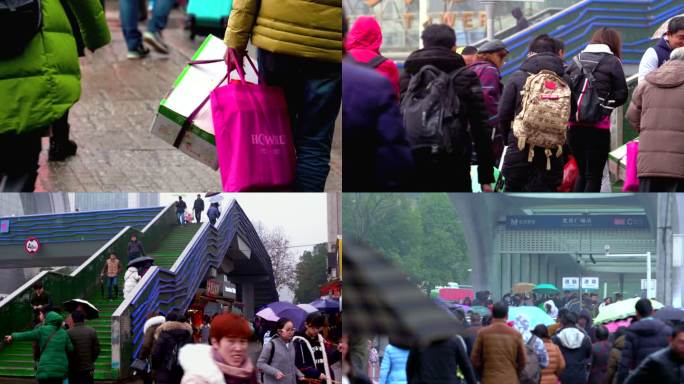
(326, 304)
(534, 314)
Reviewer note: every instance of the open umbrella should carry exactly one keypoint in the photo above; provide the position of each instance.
(535, 315)
(213, 197)
(621, 310)
(482, 311)
(308, 308)
(614, 325)
(545, 288)
(326, 304)
(274, 311)
(669, 313)
(140, 261)
(663, 28)
(90, 311)
(523, 287)
(379, 299)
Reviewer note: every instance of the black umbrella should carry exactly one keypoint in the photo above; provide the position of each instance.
(140, 261)
(378, 299)
(90, 311)
(669, 313)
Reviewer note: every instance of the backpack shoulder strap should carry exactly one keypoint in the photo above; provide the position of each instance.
(376, 61)
(270, 357)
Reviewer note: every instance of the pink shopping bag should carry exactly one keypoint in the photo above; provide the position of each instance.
(253, 135)
(631, 180)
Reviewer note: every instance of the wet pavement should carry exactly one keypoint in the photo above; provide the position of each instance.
(111, 124)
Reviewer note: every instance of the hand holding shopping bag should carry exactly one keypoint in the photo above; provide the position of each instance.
(253, 135)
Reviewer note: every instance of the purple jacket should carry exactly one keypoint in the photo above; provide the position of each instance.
(490, 78)
(377, 156)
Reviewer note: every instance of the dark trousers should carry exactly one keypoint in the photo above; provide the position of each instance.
(313, 92)
(198, 215)
(60, 130)
(524, 176)
(84, 377)
(442, 172)
(50, 381)
(19, 161)
(590, 146)
(661, 184)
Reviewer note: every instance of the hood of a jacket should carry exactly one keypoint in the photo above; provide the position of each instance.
(54, 318)
(443, 58)
(365, 34)
(669, 75)
(151, 322)
(539, 61)
(647, 327)
(197, 360)
(174, 328)
(571, 338)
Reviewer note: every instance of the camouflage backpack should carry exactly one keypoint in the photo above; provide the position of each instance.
(543, 120)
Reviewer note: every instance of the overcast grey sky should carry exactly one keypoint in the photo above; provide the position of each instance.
(302, 216)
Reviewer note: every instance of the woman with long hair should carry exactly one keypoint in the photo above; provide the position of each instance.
(589, 136)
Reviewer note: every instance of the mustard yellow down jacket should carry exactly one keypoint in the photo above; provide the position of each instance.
(304, 28)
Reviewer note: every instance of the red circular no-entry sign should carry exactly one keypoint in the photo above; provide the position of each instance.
(32, 245)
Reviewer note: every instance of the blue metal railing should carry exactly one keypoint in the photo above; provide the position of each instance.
(63, 227)
(576, 24)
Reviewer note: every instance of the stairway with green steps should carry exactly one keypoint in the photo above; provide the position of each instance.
(17, 359)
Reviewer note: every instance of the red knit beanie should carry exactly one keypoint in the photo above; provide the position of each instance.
(230, 325)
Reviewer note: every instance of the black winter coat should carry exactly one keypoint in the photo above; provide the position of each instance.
(438, 363)
(469, 91)
(643, 338)
(522, 176)
(575, 346)
(86, 348)
(662, 367)
(171, 333)
(610, 78)
(198, 205)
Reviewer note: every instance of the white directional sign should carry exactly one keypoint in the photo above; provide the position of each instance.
(590, 282)
(571, 283)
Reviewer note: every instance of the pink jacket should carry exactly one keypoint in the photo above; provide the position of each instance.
(363, 44)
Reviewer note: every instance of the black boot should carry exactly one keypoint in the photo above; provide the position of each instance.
(60, 145)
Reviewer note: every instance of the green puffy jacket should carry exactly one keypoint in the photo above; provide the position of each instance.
(38, 86)
(53, 361)
(304, 28)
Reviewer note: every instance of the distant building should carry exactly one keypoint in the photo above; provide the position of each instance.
(105, 201)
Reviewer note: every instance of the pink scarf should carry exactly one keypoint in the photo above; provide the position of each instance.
(244, 371)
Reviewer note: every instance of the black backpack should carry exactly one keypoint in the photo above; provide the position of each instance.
(20, 21)
(432, 111)
(587, 105)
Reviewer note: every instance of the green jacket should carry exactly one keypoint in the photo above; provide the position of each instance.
(53, 361)
(304, 28)
(40, 85)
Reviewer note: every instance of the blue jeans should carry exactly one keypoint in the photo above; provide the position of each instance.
(313, 92)
(129, 13)
(112, 281)
(181, 217)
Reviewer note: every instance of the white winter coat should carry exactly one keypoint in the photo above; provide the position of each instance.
(131, 279)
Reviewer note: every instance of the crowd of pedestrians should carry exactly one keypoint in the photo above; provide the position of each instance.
(454, 112)
(503, 349)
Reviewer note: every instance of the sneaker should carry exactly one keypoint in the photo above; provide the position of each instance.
(155, 40)
(59, 152)
(139, 53)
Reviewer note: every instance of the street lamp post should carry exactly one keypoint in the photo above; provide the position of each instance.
(489, 10)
